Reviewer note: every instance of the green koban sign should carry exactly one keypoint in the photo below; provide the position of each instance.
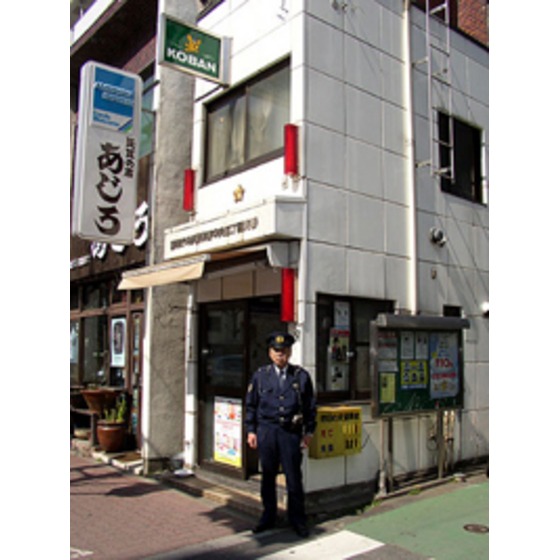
(191, 50)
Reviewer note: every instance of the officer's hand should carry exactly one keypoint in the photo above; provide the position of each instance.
(306, 441)
(252, 440)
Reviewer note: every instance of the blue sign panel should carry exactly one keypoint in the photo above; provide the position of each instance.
(113, 100)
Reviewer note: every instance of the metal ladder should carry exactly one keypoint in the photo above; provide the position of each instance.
(438, 62)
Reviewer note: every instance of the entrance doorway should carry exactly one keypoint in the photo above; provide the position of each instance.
(232, 346)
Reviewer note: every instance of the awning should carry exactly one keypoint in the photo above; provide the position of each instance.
(278, 253)
(164, 273)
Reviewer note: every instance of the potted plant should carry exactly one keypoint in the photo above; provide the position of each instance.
(111, 430)
(99, 399)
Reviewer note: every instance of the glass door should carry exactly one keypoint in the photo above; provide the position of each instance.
(232, 346)
(221, 382)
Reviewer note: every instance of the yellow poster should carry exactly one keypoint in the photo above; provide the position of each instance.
(414, 374)
(388, 388)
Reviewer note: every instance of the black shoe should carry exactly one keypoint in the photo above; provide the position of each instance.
(301, 530)
(263, 526)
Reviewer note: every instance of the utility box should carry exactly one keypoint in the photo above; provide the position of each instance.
(338, 432)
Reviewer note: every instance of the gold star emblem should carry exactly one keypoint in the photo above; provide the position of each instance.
(238, 193)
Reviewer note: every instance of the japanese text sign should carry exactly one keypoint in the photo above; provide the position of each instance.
(105, 173)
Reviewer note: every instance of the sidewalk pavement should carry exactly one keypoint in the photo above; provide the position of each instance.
(122, 516)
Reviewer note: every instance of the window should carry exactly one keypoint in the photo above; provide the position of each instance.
(95, 350)
(246, 127)
(452, 311)
(74, 352)
(208, 6)
(343, 368)
(100, 321)
(466, 179)
(148, 114)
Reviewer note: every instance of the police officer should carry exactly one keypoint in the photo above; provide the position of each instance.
(280, 421)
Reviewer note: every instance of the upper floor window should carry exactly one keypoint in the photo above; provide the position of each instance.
(246, 126)
(466, 179)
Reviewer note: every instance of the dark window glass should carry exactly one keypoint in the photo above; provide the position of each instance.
(95, 296)
(95, 350)
(464, 178)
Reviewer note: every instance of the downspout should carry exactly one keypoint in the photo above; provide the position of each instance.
(386, 459)
(411, 167)
(190, 451)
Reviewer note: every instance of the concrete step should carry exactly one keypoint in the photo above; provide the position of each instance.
(225, 493)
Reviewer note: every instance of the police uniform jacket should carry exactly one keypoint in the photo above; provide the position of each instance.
(292, 407)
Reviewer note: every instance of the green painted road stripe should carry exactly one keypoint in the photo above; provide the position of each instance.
(434, 527)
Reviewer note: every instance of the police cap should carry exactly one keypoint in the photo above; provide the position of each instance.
(279, 340)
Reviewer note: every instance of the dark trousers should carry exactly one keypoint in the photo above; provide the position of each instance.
(278, 446)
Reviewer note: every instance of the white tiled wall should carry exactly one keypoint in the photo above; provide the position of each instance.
(348, 79)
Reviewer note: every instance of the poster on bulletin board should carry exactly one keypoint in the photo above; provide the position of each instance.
(416, 363)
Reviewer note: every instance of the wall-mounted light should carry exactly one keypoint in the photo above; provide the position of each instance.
(437, 236)
(338, 5)
(291, 150)
(188, 190)
(287, 303)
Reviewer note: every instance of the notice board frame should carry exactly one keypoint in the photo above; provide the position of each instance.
(416, 364)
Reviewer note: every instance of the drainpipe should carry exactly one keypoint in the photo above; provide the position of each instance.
(411, 168)
(191, 389)
(386, 459)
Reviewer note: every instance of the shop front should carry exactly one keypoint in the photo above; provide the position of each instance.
(106, 336)
(107, 328)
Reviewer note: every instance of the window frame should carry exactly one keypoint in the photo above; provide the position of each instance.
(353, 393)
(467, 143)
(104, 310)
(241, 91)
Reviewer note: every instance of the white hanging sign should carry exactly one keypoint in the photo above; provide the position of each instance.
(106, 170)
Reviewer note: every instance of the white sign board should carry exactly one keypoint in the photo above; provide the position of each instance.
(106, 162)
(227, 431)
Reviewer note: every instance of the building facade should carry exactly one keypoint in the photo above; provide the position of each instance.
(338, 177)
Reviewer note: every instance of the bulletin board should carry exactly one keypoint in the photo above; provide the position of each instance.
(417, 363)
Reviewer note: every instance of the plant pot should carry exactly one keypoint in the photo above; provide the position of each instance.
(99, 400)
(111, 435)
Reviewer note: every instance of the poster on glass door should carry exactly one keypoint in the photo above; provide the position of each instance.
(227, 431)
(118, 342)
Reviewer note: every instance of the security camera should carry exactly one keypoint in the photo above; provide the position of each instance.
(437, 236)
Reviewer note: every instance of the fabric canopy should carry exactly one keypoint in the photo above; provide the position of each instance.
(160, 274)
